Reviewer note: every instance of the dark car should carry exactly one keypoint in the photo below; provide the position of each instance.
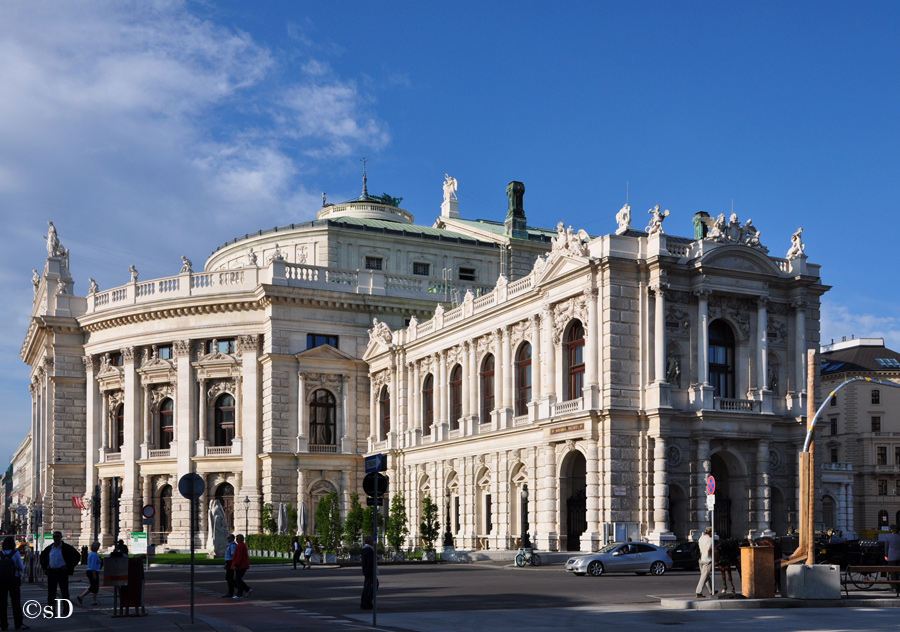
(685, 555)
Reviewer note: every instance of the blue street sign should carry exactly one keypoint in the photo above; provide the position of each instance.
(376, 463)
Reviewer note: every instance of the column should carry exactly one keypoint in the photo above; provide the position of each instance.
(499, 372)
(302, 502)
(659, 331)
(251, 392)
(202, 420)
(549, 351)
(591, 335)
(537, 382)
(546, 488)
(660, 492)
(186, 412)
(762, 341)
(302, 413)
(129, 506)
(509, 372)
(343, 419)
(763, 492)
(474, 408)
(395, 407)
(703, 336)
(105, 531)
(104, 424)
(415, 414)
(593, 495)
(801, 345)
(145, 445)
(440, 389)
(704, 469)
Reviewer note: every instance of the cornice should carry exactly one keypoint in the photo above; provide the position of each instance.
(174, 312)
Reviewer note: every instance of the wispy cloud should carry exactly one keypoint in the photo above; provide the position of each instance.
(838, 321)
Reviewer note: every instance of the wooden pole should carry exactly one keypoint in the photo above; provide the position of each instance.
(811, 366)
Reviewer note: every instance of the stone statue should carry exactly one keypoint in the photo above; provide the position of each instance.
(623, 217)
(277, 255)
(797, 245)
(93, 288)
(323, 200)
(749, 234)
(450, 187)
(217, 531)
(52, 241)
(772, 379)
(186, 265)
(673, 370)
(700, 228)
(36, 281)
(251, 257)
(656, 221)
(381, 333)
(134, 273)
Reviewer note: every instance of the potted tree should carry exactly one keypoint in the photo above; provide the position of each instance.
(354, 526)
(429, 528)
(397, 528)
(329, 526)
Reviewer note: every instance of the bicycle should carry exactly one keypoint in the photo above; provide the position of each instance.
(528, 556)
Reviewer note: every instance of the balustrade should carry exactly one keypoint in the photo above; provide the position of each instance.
(323, 449)
(572, 405)
(735, 405)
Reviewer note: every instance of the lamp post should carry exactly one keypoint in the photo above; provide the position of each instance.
(247, 514)
(448, 537)
(526, 542)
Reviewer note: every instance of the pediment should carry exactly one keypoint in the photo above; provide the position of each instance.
(324, 352)
(557, 264)
(740, 258)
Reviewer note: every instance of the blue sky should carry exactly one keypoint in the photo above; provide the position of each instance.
(150, 130)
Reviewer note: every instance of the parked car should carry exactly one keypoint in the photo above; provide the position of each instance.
(636, 557)
(685, 555)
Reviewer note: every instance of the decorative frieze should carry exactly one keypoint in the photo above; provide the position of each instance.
(563, 313)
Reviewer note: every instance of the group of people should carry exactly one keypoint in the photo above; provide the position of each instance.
(306, 551)
(237, 562)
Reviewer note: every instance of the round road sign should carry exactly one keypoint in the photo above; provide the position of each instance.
(369, 484)
(710, 485)
(148, 511)
(191, 486)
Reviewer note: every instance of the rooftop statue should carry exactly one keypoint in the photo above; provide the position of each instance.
(187, 265)
(36, 281)
(797, 245)
(623, 217)
(381, 333)
(53, 245)
(731, 233)
(94, 287)
(390, 200)
(251, 257)
(134, 273)
(567, 239)
(656, 220)
(450, 187)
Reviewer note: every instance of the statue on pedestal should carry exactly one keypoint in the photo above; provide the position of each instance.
(797, 245)
(450, 187)
(623, 217)
(217, 533)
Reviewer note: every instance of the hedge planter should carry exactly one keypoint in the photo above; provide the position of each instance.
(429, 556)
(331, 558)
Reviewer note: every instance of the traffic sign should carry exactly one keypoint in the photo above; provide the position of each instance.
(371, 501)
(21, 510)
(369, 483)
(191, 486)
(376, 463)
(711, 502)
(148, 521)
(148, 511)
(710, 485)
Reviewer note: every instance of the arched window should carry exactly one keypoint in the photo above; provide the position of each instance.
(427, 404)
(523, 379)
(487, 388)
(575, 361)
(224, 420)
(166, 424)
(120, 427)
(165, 509)
(721, 359)
(455, 396)
(384, 404)
(225, 495)
(322, 418)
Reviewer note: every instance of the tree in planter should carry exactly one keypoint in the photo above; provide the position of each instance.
(269, 521)
(328, 523)
(430, 526)
(355, 524)
(292, 519)
(397, 527)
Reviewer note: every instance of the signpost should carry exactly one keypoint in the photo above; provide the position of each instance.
(192, 486)
(711, 506)
(375, 485)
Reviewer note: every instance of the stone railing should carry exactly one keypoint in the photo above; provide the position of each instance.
(736, 405)
(679, 250)
(112, 457)
(323, 449)
(159, 454)
(571, 406)
(839, 467)
(218, 450)
(521, 420)
(520, 285)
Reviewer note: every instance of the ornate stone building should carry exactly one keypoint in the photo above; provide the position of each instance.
(612, 379)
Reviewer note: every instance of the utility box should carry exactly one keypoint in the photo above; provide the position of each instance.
(813, 582)
(115, 571)
(758, 572)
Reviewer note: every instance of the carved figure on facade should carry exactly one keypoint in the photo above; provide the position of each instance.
(772, 379)
(277, 255)
(251, 258)
(62, 288)
(568, 241)
(128, 354)
(450, 187)
(93, 287)
(575, 307)
(677, 318)
(105, 362)
(301, 253)
(656, 220)
(797, 245)
(187, 265)
(159, 394)
(381, 333)
(219, 387)
(134, 273)
(777, 329)
(749, 235)
(54, 247)
(217, 529)
(623, 219)
(36, 282)
(519, 332)
(673, 370)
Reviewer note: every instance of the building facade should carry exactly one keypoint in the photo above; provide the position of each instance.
(612, 380)
(860, 436)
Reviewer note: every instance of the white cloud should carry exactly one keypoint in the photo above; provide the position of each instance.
(838, 321)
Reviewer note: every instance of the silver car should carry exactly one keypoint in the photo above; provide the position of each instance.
(621, 557)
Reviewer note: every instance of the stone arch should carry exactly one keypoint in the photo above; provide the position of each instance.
(518, 477)
(484, 505)
(572, 498)
(829, 511)
(781, 519)
(732, 493)
(679, 511)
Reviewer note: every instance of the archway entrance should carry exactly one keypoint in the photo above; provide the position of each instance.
(679, 513)
(225, 495)
(573, 494)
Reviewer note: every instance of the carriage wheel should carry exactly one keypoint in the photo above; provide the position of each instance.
(861, 580)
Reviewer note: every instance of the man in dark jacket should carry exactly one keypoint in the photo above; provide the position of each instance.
(59, 561)
(368, 569)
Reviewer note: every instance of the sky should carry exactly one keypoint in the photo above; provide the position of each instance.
(150, 130)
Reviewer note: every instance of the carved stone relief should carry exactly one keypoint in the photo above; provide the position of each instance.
(565, 312)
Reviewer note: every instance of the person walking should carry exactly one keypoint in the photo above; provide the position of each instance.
(370, 583)
(892, 554)
(59, 561)
(295, 545)
(12, 571)
(229, 572)
(307, 553)
(240, 563)
(94, 564)
(706, 544)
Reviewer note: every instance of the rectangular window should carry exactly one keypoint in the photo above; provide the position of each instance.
(115, 359)
(225, 345)
(876, 396)
(833, 400)
(467, 274)
(876, 424)
(317, 340)
(488, 524)
(165, 352)
(374, 263)
(834, 426)
(881, 455)
(834, 455)
(421, 269)
(882, 488)
(456, 513)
